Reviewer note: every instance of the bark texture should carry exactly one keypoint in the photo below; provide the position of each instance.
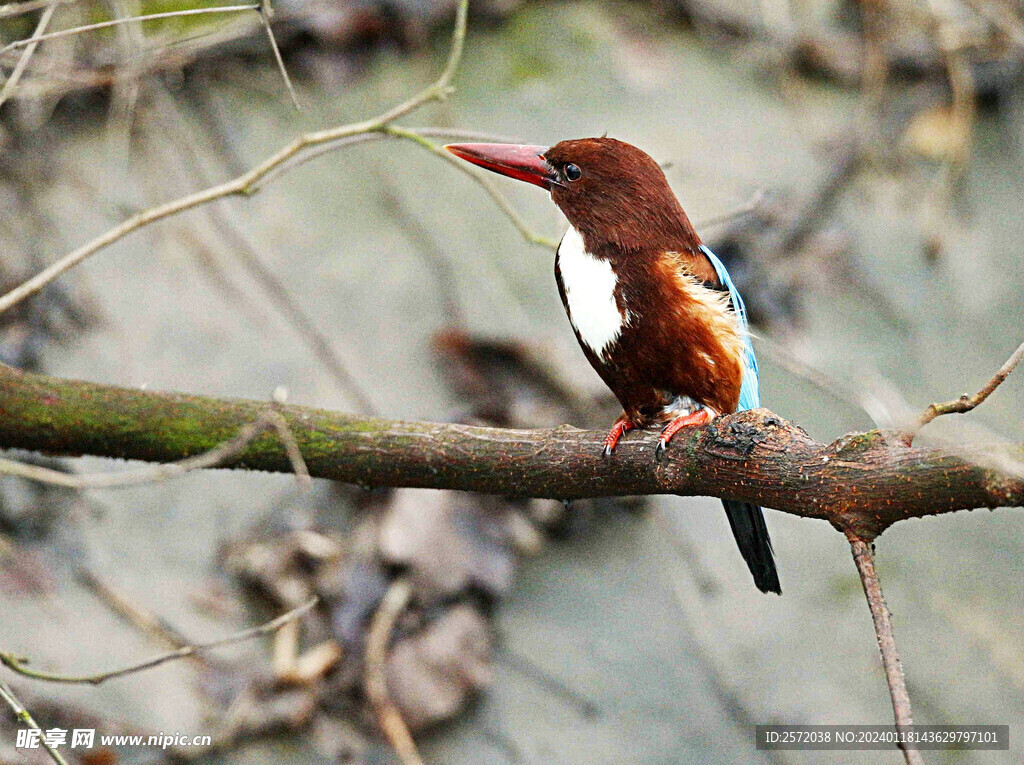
(861, 483)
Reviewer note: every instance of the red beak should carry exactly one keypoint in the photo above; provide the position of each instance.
(525, 163)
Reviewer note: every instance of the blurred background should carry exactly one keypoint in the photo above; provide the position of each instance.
(857, 165)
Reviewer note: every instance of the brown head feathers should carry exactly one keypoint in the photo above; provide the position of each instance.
(620, 198)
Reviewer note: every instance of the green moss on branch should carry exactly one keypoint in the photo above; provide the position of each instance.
(862, 483)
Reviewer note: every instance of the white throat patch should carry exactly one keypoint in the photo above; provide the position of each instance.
(589, 285)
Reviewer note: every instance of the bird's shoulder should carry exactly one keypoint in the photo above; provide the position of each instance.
(690, 264)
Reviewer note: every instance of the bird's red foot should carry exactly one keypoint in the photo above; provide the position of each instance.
(621, 426)
(692, 420)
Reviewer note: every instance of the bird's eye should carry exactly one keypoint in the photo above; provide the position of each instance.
(573, 173)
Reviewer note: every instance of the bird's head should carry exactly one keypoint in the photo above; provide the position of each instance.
(611, 191)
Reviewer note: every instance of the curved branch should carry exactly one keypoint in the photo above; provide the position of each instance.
(250, 182)
(20, 666)
(862, 483)
(966, 403)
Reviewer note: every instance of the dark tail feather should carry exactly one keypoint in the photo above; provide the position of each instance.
(747, 522)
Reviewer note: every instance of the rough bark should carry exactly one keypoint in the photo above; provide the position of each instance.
(862, 483)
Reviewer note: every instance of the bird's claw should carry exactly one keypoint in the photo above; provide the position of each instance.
(622, 425)
(694, 419)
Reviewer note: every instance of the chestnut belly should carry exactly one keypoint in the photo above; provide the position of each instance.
(656, 384)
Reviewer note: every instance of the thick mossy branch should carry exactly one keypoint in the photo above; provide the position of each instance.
(861, 483)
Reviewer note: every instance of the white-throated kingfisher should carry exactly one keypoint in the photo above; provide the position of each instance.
(654, 310)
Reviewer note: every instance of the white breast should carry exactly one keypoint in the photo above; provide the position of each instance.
(589, 285)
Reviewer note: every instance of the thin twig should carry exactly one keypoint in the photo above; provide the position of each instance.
(318, 151)
(266, 13)
(26, 717)
(212, 458)
(19, 68)
(291, 447)
(419, 137)
(16, 664)
(141, 618)
(37, 37)
(886, 639)
(16, 9)
(250, 182)
(302, 158)
(966, 403)
(394, 602)
(464, 134)
(477, 175)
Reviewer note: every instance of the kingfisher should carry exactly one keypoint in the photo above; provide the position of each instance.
(653, 309)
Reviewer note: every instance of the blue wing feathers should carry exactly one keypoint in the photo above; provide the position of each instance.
(750, 395)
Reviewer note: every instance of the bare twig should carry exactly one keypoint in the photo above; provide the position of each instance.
(266, 13)
(466, 135)
(966, 403)
(170, 54)
(17, 664)
(19, 69)
(26, 717)
(886, 639)
(38, 37)
(141, 618)
(250, 182)
(291, 446)
(212, 458)
(480, 177)
(16, 9)
(395, 601)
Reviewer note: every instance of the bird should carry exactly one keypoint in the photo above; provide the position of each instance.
(654, 310)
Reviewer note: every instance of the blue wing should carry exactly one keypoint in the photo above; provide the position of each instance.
(750, 393)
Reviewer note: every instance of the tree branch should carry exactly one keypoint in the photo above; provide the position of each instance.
(8, 697)
(861, 483)
(221, 453)
(966, 403)
(250, 182)
(266, 12)
(16, 9)
(20, 666)
(886, 639)
(26, 56)
(38, 36)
